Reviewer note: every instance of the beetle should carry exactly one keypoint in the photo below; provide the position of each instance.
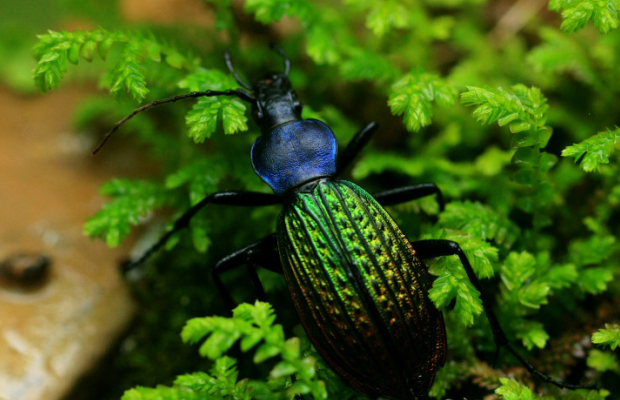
(359, 286)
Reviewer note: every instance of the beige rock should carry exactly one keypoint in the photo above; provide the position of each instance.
(51, 332)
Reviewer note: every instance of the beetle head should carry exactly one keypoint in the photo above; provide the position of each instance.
(273, 99)
(276, 101)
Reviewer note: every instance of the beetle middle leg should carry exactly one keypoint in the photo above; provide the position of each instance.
(439, 248)
(408, 193)
(262, 253)
(388, 197)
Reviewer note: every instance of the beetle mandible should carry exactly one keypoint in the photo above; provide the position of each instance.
(359, 285)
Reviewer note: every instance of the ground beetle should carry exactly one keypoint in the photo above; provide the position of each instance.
(358, 284)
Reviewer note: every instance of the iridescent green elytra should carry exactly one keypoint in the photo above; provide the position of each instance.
(360, 291)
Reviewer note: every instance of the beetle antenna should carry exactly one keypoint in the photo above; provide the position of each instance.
(287, 61)
(243, 95)
(234, 73)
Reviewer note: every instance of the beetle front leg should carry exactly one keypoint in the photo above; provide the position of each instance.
(233, 198)
(439, 248)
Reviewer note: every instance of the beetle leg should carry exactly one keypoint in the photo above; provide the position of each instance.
(233, 198)
(408, 193)
(438, 248)
(225, 293)
(354, 146)
(263, 253)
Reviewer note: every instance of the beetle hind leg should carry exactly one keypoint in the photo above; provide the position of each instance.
(438, 248)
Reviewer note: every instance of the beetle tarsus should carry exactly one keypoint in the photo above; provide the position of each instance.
(530, 368)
